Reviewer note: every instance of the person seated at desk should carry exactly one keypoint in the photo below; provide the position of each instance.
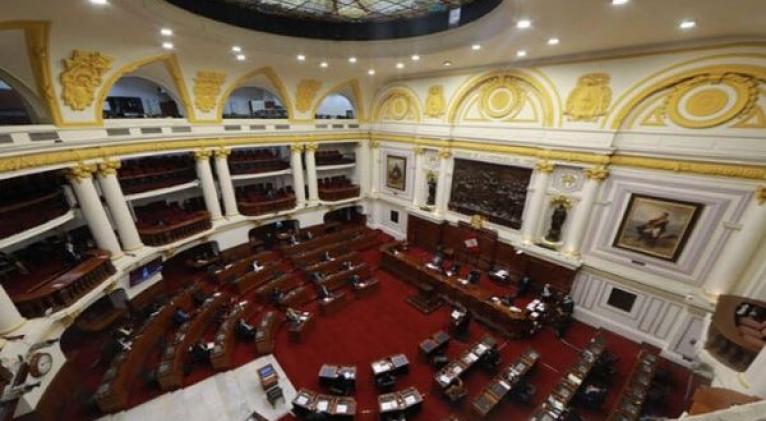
(180, 317)
(454, 270)
(347, 265)
(436, 262)
(592, 397)
(326, 257)
(547, 294)
(507, 300)
(308, 236)
(199, 352)
(523, 286)
(257, 267)
(295, 317)
(460, 319)
(324, 293)
(293, 240)
(474, 276)
(71, 255)
(276, 296)
(317, 278)
(268, 241)
(500, 275)
(244, 330)
(355, 280)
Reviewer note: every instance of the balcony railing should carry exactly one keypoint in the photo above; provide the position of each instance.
(139, 182)
(62, 290)
(167, 234)
(336, 193)
(255, 208)
(30, 213)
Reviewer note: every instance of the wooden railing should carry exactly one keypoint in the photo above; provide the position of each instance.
(255, 166)
(138, 183)
(27, 214)
(264, 207)
(333, 194)
(167, 234)
(64, 289)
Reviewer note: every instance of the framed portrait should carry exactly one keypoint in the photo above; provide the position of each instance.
(396, 172)
(657, 227)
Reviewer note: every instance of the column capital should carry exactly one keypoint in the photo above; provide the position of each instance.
(760, 195)
(599, 173)
(445, 153)
(82, 171)
(296, 147)
(419, 150)
(222, 152)
(374, 144)
(545, 166)
(311, 147)
(202, 155)
(561, 200)
(109, 167)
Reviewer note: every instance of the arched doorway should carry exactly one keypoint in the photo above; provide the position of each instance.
(137, 97)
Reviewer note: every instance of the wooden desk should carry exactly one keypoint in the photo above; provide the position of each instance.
(497, 389)
(297, 330)
(230, 271)
(226, 337)
(558, 400)
(513, 324)
(265, 332)
(308, 402)
(363, 240)
(467, 359)
(298, 296)
(342, 234)
(284, 283)
(253, 279)
(339, 376)
(636, 387)
(408, 400)
(336, 264)
(332, 305)
(341, 278)
(434, 344)
(366, 288)
(396, 364)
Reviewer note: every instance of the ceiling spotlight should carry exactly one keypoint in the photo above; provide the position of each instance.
(524, 23)
(521, 53)
(166, 32)
(619, 2)
(687, 24)
(400, 65)
(447, 63)
(167, 45)
(241, 57)
(352, 59)
(371, 72)
(476, 47)
(553, 41)
(323, 64)
(301, 57)
(99, 2)
(236, 49)
(415, 57)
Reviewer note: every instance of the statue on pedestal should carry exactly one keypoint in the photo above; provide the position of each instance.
(431, 200)
(558, 218)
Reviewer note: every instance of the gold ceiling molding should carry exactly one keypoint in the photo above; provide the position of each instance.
(435, 105)
(711, 99)
(695, 167)
(272, 77)
(755, 119)
(590, 99)
(207, 87)
(82, 76)
(512, 77)
(760, 195)
(398, 103)
(685, 81)
(356, 98)
(305, 93)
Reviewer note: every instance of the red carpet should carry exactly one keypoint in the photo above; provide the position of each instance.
(384, 324)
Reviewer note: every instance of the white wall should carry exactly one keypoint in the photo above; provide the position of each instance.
(334, 105)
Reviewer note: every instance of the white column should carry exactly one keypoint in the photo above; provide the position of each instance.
(419, 182)
(10, 318)
(296, 164)
(311, 173)
(81, 179)
(740, 248)
(442, 187)
(576, 230)
(205, 176)
(224, 181)
(539, 189)
(374, 167)
(118, 207)
(363, 167)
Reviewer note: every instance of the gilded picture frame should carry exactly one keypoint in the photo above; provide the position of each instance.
(396, 172)
(656, 226)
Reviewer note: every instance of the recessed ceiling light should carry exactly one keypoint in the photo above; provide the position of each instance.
(415, 57)
(99, 2)
(521, 53)
(301, 57)
(619, 2)
(236, 49)
(553, 41)
(447, 63)
(323, 64)
(476, 47)
(524, 23)
(400, 65)
(167, 45)
(687, 24)
(371, 72)
(352, 59)
(166, 32)
(241, 57)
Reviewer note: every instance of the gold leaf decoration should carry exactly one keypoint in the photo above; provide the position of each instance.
(207, 88)
(711, 99)
(435, 103)
(82, 76)
(304, 96)
(590, 99)
(501, 97)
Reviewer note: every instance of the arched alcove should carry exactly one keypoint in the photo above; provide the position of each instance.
(13, 109)
(138, 97)
(254, 102)
(336, 105)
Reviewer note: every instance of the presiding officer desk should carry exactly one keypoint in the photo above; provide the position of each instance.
(511, 323)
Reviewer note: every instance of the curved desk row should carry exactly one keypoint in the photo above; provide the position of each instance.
(167, 234)
(225, 338)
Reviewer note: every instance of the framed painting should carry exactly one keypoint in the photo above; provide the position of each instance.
(657, 227)
(396, 172)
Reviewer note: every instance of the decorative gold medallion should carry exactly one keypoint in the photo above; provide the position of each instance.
(501, 97)
(711, 100)
(307, 89)
(435, 103)
(81, 76)
(207, 87)
(590, 99)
